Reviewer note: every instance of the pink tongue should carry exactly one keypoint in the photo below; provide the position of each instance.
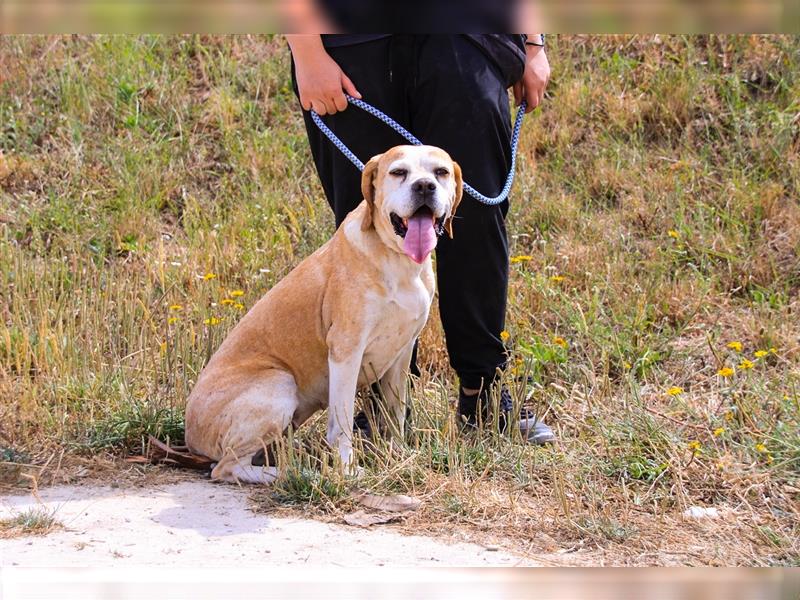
(420, 238)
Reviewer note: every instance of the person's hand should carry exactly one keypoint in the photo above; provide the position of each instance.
(537, 73)
(321, 82)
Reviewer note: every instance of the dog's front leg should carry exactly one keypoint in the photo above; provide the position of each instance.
(341, 399)
(395, 392)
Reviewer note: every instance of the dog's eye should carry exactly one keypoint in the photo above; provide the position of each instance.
(398, 172)
(442, 172)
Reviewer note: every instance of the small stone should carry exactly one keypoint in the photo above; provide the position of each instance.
(701, 512)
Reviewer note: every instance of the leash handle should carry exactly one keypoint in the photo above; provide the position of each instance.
(410, 137)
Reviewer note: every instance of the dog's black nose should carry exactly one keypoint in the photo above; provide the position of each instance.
(423, 187)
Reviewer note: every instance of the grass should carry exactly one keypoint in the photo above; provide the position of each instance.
(654, 220)
(32, 521)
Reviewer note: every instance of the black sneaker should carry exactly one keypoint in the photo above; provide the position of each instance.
(533, 429)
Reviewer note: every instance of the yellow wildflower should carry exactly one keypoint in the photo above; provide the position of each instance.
(719, 431)
(695, 446)
(504, 335)
(176, 307)
(559, 341)
(761, 353)
(172, 320)
(227, 302)
(761, 448)
(674, 390)
(746, 364)
(769, 458)
(673, 234)
(236, 293)
(557, 278)
(238, 306)
(725, 372)
(736, 346)
(729, 416)
(209, 276)
(773, 350)
(213, 321)
(627, 365)
(519, 259)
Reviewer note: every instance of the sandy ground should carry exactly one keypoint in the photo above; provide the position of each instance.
(197, 523)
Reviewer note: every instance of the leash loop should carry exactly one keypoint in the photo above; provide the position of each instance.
(410, 137)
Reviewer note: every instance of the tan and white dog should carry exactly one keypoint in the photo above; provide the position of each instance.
(345, 317)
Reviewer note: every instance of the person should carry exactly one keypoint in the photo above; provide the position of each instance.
(450, 91)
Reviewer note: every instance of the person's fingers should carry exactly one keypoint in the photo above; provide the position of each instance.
(319, 107)
(330, 105)
(532, 98)
(305, 103)
(339, 101)
(349, 87)
(517, 93)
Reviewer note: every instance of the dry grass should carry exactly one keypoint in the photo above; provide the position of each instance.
(657, 199)
(33, 521)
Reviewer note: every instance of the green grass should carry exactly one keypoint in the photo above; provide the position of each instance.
(655, 218)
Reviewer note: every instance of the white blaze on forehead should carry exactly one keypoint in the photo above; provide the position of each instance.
(425, 157)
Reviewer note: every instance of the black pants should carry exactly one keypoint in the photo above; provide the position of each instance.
(451, 94)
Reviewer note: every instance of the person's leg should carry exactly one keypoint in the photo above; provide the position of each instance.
(379, 71)
(460, 103)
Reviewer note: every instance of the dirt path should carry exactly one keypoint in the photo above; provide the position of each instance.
(195, 523)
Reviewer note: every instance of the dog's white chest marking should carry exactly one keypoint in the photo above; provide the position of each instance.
(397, 318)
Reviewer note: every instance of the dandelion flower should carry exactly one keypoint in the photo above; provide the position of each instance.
(769, 458)
(761, 448)
(209, 276)
(557, 278)
(674, 391)
(746, 364)
(773, 350)
(504, 335)
(559, 341)
(238, 306)
(719, 431)
(236, 293)
(673, 234)
(176, 307)
(628, 366)
(761, 353)
(726, 372)
(172, 320)
(212, 321)
(227, 302)
(521, 258)
(735, 346)
(695, 446)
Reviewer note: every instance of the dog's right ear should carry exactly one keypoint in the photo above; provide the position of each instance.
(368, 189)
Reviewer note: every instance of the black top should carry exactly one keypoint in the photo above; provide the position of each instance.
(350, 39)
(421, 16)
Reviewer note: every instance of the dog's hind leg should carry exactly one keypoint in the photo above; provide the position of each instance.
(258, 416)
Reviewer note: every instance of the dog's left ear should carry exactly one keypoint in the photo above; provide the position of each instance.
(448, 224)
(368, 189)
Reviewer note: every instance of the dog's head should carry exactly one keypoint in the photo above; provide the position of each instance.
(412, 193)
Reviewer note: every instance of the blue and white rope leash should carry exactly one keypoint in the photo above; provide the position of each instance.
(410, 137)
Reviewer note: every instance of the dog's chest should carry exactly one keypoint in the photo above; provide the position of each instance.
(397, 319)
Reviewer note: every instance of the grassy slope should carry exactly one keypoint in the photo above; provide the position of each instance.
(655, 216)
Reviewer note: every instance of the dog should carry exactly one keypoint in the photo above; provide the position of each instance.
(346, 317)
